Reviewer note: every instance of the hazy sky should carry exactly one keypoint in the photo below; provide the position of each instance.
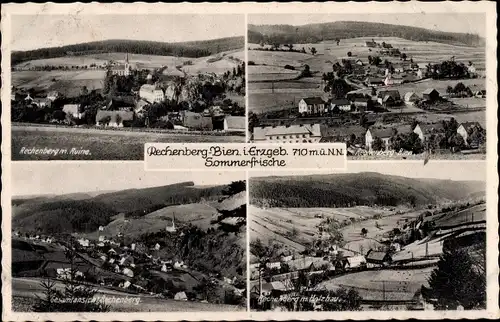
(52, 178)
(453, 22)
(39, 31)
(473, 171)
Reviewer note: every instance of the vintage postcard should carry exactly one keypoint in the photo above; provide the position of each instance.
(362, 136)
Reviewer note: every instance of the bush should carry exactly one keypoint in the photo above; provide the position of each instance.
(251, 63)
(289, 67)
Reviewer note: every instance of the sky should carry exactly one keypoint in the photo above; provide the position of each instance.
(41, 31)
(446, 170)
(62, 178)
(452, 22)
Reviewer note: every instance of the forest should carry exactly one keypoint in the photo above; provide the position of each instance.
(313, 33)
(193, 49)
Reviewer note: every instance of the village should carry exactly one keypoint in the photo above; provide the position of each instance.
(376, 98)
(141, 98)
(108, 263)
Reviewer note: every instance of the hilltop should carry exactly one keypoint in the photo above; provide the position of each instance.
(66, 214)
(344, 190)
(191, 49)
(314, 33)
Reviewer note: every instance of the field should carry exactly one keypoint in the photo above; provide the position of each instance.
(68, 83)
(102, 144)
(383, 284)
(25, 292)
(269, 66)
(278, 223)
(217, 64)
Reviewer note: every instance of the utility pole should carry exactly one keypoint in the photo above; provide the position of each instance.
(426, 249)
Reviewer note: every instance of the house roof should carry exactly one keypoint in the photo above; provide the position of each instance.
(262, 132)
(374, 80)
(428, 128)
(340, 102)
(409, 95)
(356, 259)
(381, 132)
(469, 126)
(375, 255)
(388, 98)
(124, 115)
(236, 122)
(391, 92)
(429, 91)
(361, 99)
(313, 100)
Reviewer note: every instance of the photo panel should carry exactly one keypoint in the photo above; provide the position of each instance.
(98, 87)
(127, 240)
(378, 237)
(391, 85)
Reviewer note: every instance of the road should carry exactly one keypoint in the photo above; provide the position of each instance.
(30, 288)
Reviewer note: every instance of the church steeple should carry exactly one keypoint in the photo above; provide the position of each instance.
(126, 59)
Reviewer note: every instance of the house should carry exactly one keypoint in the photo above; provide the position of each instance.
(41, 102)
(420, 74)
(276, 287)
(196, 121)
(28, 98)
(359, 62)
(126, 260)
(354, 262)
(272, 265)
(311, 105)
(178, 264)
(101, 238)
(425, 130)
(374, 81)
(235, 123)
(53, 95)
(303, 133)
(383, 133)
(112, 251)
(430, 94)
(151, 93)
(362, 103)
(180, 296)
(410, 98)
(101, 228)
(128, 272)
(84, 242)
(157, 246)
(113, 118)
(480, 93)
(123, 70)
(465, 129)
(125, 284)
(75, 110)
(340, 104)
(378, 258)
(371, 44)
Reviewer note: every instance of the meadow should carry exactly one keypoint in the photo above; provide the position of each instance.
(102, 144)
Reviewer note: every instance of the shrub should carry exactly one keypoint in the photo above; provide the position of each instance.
(289, 67)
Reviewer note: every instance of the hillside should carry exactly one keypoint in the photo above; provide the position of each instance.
(65, 214)
(313, 33)
(192, 49)
(344, 190)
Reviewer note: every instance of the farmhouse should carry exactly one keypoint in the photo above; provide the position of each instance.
(354, 262)
(196, 121)
(113, 118)
(52, 96)
(393, 93)
(235, 123)
(425, 130)
(361, 103)
(74, 110)
(410, 98)
(374, 81)
(41, 102)
(378, 258)
(371, 44)
(151, 93)
(303, 133)
(465, 129)
(382, 133)
(340, 104)
(430, 94)
(311, 105)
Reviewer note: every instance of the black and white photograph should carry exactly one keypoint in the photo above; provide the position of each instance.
(127, 240)
(382, 237)
(409, 83)
(97, 87)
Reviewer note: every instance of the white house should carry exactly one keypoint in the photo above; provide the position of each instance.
(342, 104)
(84, 242)
(383, 134)
(355, 261)
(178, 264)
(466, 128)
(272, 265)
(303, 133)
(74, 110)
(180, 296)
(311, 105)
(101, 238)
(52, 96)
(157, 246)
(151, 93)
(128, 272)
(410, 98)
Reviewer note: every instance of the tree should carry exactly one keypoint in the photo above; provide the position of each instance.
(364, 231)
(457, 281)
(404, 56)
(349, 54)
(377, 144)
(313, 51)
(290, 47)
